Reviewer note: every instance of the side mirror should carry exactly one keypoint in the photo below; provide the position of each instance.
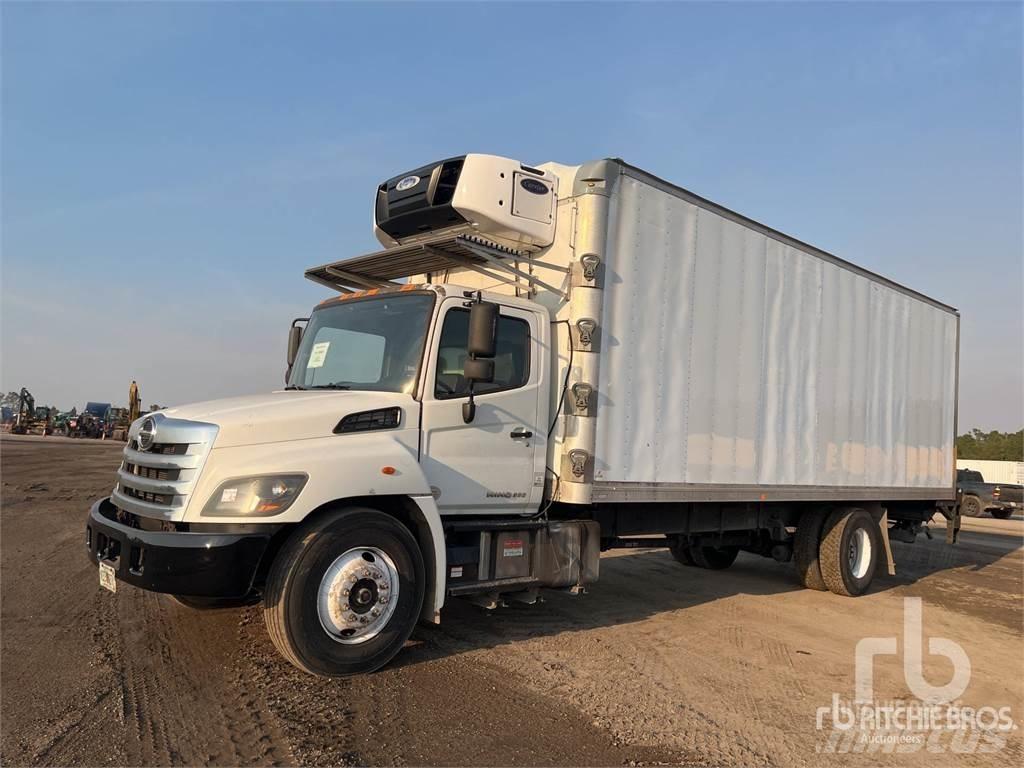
(481, 344)
(483, 329)
(294, 339)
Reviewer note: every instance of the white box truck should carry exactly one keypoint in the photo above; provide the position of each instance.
(540, 364)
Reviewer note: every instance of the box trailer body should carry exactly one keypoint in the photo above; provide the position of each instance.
(544, 362)
(739, 361)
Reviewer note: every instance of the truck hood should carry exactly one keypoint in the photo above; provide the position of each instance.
(287, 415)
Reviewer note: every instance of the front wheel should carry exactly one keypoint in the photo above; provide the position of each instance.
(344, 592)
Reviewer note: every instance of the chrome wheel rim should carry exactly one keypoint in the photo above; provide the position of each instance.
(358, 595)
(860, 553)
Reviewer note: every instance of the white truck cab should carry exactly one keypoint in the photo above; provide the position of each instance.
(542, 362)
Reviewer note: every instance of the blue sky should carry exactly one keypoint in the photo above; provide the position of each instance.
(169, 170)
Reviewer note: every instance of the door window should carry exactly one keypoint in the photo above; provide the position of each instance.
(511, 359)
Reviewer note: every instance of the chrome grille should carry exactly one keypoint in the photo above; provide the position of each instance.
(152, 473)
(158, 483)
(156, 498)
(171, 449)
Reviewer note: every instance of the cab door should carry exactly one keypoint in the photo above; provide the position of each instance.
(494, 464)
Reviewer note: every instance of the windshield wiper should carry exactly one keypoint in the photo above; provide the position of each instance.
(337, 385)
(294, 386)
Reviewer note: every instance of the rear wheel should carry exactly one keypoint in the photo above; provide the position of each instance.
(1002, 514)
(805, 548)
(680, 549)
(851, 546)
(971, 506)
(344, 593)
(714, 558)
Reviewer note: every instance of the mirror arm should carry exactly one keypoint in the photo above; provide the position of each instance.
(469, 407)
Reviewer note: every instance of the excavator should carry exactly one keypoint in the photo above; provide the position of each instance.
(26, 412)
(29, 419)
(122, 418)
(134, 402)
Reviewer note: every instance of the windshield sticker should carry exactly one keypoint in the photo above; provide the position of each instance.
(319, 353)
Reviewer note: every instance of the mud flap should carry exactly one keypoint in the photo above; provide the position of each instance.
(881, 516)
(953, 520)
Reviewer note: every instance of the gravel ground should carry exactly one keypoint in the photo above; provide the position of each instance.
(658, 664)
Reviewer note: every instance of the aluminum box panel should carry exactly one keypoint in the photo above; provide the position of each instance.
(734, 358)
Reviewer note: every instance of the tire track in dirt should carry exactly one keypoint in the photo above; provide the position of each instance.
(185, 698)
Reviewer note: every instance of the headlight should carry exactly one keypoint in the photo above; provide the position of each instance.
(255, 496)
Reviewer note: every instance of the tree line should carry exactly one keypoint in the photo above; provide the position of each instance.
(992, 446)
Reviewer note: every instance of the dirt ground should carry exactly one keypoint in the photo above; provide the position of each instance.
(657, 664)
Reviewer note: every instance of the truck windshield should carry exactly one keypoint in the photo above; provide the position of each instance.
(369, 344)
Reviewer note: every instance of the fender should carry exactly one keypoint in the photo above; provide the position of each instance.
(347, 466)
(433, 600)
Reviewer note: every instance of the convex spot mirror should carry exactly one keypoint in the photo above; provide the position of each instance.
(478, 370)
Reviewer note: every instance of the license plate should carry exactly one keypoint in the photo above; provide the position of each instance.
(107, 578)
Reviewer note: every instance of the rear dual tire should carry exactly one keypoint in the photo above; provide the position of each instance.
(805, 548)
(848, 550)
(680, 550)
(710, 558)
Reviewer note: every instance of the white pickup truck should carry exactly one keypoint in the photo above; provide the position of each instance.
(542, 363)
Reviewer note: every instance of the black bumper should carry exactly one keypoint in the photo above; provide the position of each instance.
(194, 563)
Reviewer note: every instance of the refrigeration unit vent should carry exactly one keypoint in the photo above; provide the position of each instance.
(493, 197)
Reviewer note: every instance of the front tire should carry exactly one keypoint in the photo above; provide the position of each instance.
(850, 550)
(344, 592)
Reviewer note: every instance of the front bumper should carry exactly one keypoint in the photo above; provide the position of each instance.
(205, 563)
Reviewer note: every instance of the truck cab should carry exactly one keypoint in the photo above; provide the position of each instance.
(405, 352)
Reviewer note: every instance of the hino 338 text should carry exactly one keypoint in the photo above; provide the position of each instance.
(542, 363)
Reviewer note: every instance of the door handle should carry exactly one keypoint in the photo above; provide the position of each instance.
(519, 433)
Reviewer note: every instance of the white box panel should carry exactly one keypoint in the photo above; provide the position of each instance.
(733, 358)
